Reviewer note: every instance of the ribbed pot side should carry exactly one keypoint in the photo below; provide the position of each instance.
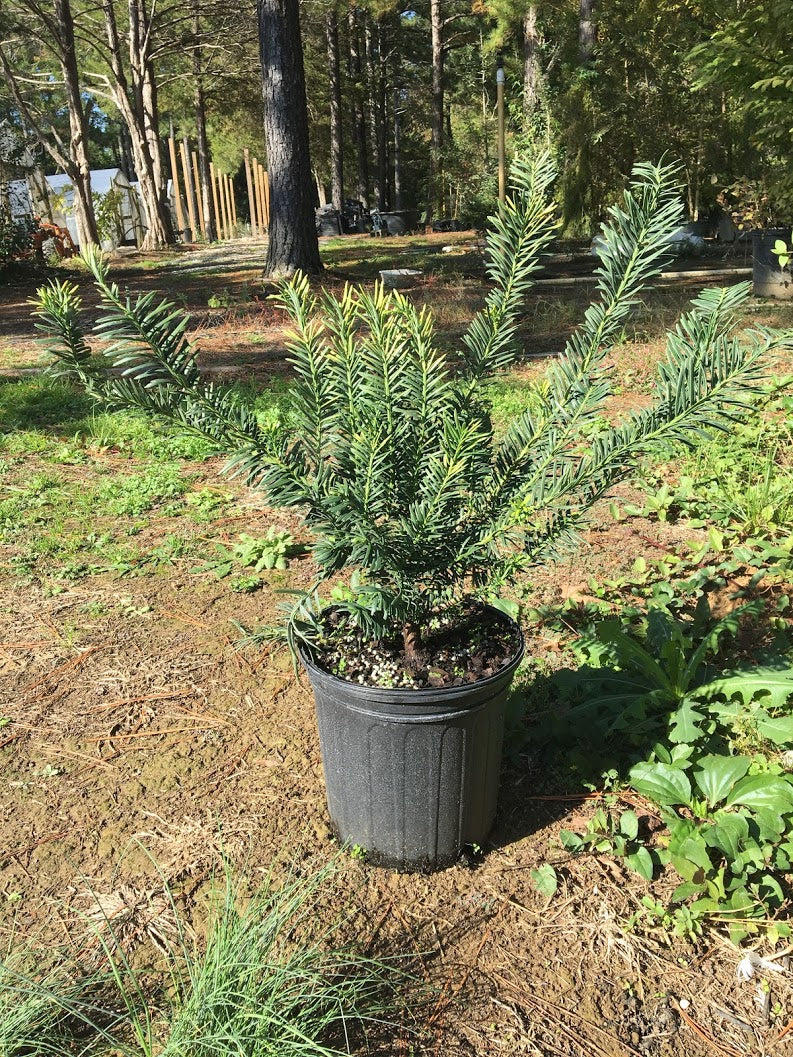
(768, 279)
(411, 775)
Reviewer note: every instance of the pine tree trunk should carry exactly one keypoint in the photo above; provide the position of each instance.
(371, 109)
(382, 122)
(293, 242)
(483, 76)
(80, 173)
(531, 63)
(145, 93)
(322, 197)
(132, 95)
(359, 119)
(397, 151)
(5, 192)
(587, 33)
(202, 147)
(436, 147)
(334, 84)
(125, 162)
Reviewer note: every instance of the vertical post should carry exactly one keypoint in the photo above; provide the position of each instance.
(224, 211)
(199, 196)
(484, 99)
(266, 193)
(397, 150)
(189, 190)
(224, 201)
(224, 195)
(251, 196)
(257, 180)
(213, 179)
(502, 171)
(224, 187)
(177, 194)
(233, 204)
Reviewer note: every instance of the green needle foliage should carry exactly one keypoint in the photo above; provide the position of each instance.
(391, 451)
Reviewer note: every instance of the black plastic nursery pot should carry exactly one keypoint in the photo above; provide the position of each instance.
(768, 279)
(411, 776)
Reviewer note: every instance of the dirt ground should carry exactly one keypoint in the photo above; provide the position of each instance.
(138, 728)
(143, 731)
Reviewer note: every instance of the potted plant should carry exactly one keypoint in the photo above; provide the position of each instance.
(756, 210)
(407, 486)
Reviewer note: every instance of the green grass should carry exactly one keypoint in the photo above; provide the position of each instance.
(267, 979)
(65, 465)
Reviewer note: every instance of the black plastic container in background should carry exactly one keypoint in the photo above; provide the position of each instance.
(328, 223)
(400, 221)
(411, 776)
(768, 279)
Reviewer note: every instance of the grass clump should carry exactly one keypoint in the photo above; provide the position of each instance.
(267, 980)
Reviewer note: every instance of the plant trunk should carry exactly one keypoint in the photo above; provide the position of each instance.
(334, 84)
(531, 63)
(202, 147)
(397, 151)
(132, 97)
(125, 162)
(322, 197)
(436, 146)
(87, 233)
(371, 108)
(483, 76)
(359, 119)
(382, 122)
(145, 88)
(292, 244)
(587, 32)
(415, 650)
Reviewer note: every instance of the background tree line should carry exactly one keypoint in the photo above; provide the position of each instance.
(400, 99)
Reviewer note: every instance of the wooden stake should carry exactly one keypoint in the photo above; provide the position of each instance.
(233, 201)
(502, 165)
(266, 185)
(259, 199)
(251, 197)
(223, 219)
(257, 194)
(221, 200)
(177, 194)
(224, 190)
(188, 182)
(260, 193)
(218, 217)
(199, 195)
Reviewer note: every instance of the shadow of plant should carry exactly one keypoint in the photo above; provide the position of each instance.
(36, 405)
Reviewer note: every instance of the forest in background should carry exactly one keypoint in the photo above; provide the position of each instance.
(401, 98)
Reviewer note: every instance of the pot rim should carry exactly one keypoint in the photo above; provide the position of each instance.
(507, 668)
